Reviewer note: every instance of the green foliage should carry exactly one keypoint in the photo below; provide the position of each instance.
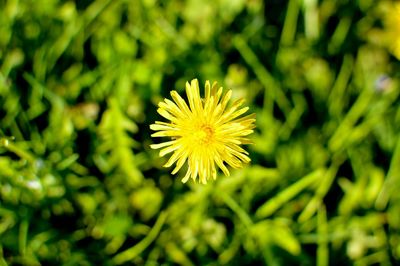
(79, 84)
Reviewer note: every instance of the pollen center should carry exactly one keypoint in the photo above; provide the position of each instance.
(204, 134)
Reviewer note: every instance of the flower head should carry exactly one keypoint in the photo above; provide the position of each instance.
(205, 133)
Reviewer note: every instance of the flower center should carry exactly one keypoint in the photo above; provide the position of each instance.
(204, 134)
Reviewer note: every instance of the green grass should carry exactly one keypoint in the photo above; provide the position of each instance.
(79, 87)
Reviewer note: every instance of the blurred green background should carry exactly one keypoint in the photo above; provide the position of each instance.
(79, 87)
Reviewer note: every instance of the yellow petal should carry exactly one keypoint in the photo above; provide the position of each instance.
(161, 145)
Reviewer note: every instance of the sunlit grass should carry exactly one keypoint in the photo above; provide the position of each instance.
(79, 88)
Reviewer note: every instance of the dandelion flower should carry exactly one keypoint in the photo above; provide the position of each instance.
(206, 133)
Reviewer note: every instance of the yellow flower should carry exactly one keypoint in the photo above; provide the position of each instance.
(392, 26)
(205, 134)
